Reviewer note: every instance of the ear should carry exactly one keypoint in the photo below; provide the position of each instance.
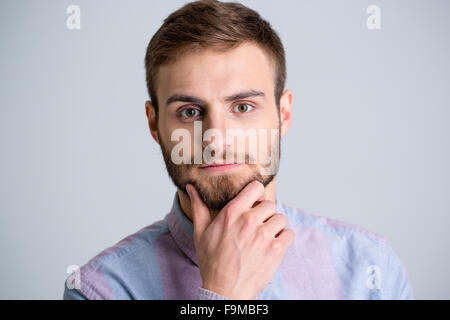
(152, 120)
(286, 111)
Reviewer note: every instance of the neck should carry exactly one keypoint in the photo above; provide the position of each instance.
(185, 202)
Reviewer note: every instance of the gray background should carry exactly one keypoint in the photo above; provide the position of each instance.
(79, 170)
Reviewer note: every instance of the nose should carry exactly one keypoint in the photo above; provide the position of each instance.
(216, 122)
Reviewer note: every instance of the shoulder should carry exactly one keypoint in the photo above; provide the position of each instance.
(334, 228)
(117, 271)
(364, 260)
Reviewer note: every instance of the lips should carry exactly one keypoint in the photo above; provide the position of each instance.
(221, 168)
(216, 165)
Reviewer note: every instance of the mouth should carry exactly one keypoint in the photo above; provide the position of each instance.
(219, 167)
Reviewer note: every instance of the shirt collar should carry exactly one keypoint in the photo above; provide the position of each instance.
(182, 229)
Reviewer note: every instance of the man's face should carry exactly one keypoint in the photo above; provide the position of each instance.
(211, 76)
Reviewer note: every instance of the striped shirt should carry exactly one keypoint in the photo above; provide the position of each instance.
(329, 259)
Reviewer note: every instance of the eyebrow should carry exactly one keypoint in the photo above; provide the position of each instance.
(200, 102)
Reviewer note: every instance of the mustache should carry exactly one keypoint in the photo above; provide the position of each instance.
(237, 158)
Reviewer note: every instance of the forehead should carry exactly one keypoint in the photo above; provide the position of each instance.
(212, 74)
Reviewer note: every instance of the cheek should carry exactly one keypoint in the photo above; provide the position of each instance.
(266, 118)
(182, 144)
(168, 128)
(267, 138)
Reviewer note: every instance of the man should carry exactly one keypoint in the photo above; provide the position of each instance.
(216, 73)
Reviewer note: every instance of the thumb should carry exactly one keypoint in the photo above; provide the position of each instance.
(200, 212)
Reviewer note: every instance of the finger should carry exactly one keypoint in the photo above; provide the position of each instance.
(263, 211)
(273, 225)
(253, 219)
(200, 212)
(254, 191)
(285, 238)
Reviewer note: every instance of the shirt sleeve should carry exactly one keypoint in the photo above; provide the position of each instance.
(398, 286)
(204, 294)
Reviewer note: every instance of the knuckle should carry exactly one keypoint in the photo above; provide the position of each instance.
(283, 219)
(264, 234)
(229, 211)
(249, 220)
(277, 247)
(270, 205)
(291, 234)
(289, 237)
(228, 215)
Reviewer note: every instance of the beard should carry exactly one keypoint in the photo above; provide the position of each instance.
(216, 190)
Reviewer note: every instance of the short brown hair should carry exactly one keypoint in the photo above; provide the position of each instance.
(212, 24)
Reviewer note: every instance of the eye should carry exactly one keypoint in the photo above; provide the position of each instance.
(189, 113)
(242, 108)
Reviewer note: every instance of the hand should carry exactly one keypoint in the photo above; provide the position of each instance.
(241, 249)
